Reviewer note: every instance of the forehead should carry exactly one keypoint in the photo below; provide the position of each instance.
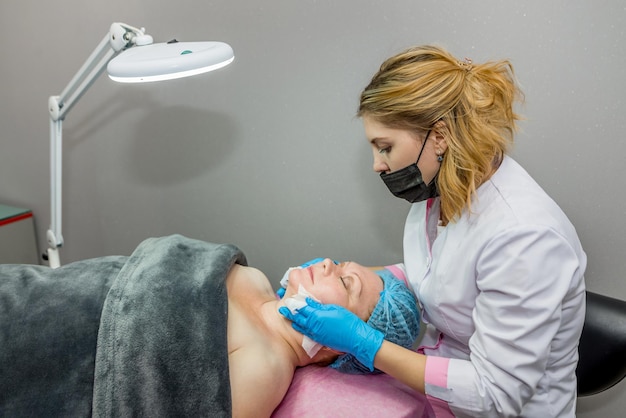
(377, 131)
(372, 126)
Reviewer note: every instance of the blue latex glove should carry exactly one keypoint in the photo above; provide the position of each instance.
(337, 328)
(283, 282)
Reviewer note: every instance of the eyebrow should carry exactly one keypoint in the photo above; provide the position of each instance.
(377, 139)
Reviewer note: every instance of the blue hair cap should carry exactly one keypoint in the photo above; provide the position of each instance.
(396, 315)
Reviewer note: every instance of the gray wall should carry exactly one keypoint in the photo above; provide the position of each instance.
(267, 153)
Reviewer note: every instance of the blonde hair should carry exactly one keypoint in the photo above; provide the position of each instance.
(471, 105)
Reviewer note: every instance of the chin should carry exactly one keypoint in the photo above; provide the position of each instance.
(292, 288)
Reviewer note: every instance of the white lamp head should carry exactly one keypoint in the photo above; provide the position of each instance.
(166, 61)
(139, 61)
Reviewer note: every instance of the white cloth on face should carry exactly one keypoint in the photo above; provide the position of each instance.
(296, 302)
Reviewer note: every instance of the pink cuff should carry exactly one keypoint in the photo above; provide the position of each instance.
(436, 374)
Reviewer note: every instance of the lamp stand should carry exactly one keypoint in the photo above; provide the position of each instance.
(152, 62)
(120, 37)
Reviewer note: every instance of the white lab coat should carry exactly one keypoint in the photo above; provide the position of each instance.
(502, 293)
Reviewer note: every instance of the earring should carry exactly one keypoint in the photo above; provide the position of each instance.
(439, 156)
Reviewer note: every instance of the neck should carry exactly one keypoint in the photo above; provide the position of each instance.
(495, 164)
(291, 339)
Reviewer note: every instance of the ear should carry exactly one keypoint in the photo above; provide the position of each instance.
(440, 130)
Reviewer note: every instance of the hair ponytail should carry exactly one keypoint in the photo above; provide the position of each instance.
(470, 104)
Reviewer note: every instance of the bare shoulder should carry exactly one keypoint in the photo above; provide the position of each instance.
(259, 379)
(244, 282)
(260, 362)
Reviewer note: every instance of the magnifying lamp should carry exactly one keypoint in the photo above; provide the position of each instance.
(130, 56)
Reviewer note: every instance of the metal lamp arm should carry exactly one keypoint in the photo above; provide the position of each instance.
(121, 36)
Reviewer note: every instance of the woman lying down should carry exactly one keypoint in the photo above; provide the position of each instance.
(258, 334)
(181, 327)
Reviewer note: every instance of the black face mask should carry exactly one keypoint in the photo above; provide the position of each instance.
(408, 184)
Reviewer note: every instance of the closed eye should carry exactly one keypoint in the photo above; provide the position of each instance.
(346, 281)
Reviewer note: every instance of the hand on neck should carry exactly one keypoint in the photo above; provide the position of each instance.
(291, 338)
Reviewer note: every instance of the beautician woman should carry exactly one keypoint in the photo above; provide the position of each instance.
(495, 264)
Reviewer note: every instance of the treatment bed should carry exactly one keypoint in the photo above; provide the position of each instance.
(318, 392)
(116, 336)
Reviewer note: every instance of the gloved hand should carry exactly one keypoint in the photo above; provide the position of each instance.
(283, 282)
(337, 328)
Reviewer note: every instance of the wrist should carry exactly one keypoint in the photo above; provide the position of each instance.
(367, 351)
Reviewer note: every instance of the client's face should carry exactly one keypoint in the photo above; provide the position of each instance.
(348, 284)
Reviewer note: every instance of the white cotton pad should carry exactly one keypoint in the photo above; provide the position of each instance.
(285, 280)
(294, 303)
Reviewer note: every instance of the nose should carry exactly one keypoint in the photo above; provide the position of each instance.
(328, 265)
(379, 165)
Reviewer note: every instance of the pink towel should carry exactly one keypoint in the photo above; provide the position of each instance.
(324, 392)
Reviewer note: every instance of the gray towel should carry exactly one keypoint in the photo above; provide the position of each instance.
(152, 326)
